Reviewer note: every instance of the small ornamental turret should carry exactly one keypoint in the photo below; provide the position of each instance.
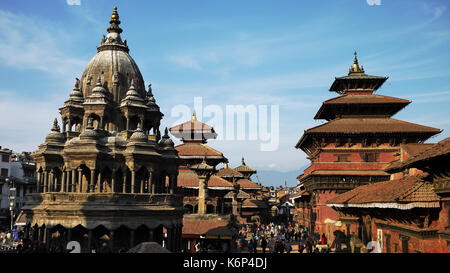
(245, 170)
(139, 136)
(55, 135)
(76, 92)
(132, 97)
(89, 132)
(150, 99)
(99, 91)
(166, 142)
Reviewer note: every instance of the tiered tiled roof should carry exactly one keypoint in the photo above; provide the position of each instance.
(188, 179)
(405, 193)
(368, 126)
(327, 110)
(229, 173)
(197, 150)
(248, 184)
(193, 130)
(206, 227)
(439, 149)
(371, 125)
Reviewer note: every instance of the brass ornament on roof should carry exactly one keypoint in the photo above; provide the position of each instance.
(355, 69)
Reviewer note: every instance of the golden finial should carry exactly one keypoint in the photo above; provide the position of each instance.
(355, 69)
(115, 16)
(225, 166)
(193, 118)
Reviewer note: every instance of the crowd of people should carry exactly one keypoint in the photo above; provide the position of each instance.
(280, 238)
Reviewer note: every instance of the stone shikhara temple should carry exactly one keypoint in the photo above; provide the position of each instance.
(353, 148)
(108, 179)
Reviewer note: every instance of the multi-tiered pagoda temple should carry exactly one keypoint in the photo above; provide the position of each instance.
(359, 139)
(108, 179)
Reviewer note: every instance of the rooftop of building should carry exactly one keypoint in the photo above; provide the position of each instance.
(405, 193)
(428, 152)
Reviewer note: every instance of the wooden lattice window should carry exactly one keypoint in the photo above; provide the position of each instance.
(369, 157)
(342, 157)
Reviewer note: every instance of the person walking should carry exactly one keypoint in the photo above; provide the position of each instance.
(263, 244)
(323, 239)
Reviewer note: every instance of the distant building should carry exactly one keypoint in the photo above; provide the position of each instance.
(5, 172)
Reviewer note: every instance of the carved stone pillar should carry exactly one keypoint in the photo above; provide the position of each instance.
(133, 177)
(91, 183)
(113, 180)
(151, 183)
(80, 179)
(38, 183)
(99, 182)
(63, 181)
(51, 181)
(45, 173)
(74, 179)
(124, 185)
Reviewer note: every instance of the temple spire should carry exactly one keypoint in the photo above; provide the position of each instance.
(114, 22)
(193, 118)
(55, 127)
(355, 69)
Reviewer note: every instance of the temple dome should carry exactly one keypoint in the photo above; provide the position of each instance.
(114, 66)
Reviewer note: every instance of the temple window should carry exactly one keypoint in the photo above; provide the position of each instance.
(342, 157)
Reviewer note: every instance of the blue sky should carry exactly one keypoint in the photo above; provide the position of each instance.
(227, 52)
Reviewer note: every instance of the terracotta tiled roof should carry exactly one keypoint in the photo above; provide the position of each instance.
(439, 149)
(241, 195)
(300, 194)
(229, 172)
(327, 110)
(205, 227)
(358, 99)
(248, 184)
(198, 150)
(371, 125)
(198, 129)
(254, 203)
(244, 169)
(188, 179)
(405, 193)
(367, 126)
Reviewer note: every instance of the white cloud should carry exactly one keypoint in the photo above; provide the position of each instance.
(73, 2)
(186, 61)
(24, 44)
(25, 121)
